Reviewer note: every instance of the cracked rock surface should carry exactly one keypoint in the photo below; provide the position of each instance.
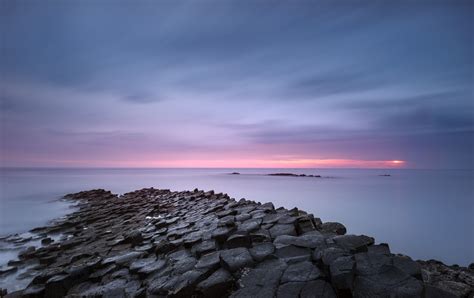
(159, 243)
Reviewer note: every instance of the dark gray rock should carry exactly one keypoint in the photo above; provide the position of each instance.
(221, 234)
(205, 247)
(407, 265)
(260, 236)
(217, 285)
(371, 264)
(292, 254)
(333, 227)
(184, 264)
(300, 272)
(381, 248)
(282, 229)
(290, 289)
(309, 240)
(391, 282)
(133, 237)
(124, 258)
(139, 264)
(211, 260)
(317, 288)
(249, 225)
(305, 224)
(354, 243)
(152, 267)
(260, 252)
(238, 240)
(342, 271)
(236, 258)
(261, 281)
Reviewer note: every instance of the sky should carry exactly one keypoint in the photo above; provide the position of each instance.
(370, 84)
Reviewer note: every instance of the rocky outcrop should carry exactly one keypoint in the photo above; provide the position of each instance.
(294, 175)
(180, 244)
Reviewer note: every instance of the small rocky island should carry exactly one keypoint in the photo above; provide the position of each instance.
(294, 175)
(158, 243)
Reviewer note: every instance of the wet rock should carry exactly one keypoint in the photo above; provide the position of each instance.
(162, 243)
(390, 282)
(139, 264)
(292, 254)
(407, 265)
(221, 234)
(249, 225)
(7, 270)
(236, 258)
(124, 258)
(46, 241)
(382, 248)
(354, 243)
(133, 237)
(186, 282)
(226, 213)
(205, 247)
(309, 240)
(317, 288)
(211, 260)
(260, 252)
(152, 267)
(290, 289)
(300, 272)
(33, 291)
(216, 285)
(242, 217)
(238, 240)
(342, 271)
(333, 227)
(184, 264)
(282, 229)
(261, 281)
(305, 225)
(260, 236)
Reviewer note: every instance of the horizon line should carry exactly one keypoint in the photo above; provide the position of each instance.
(243, 168)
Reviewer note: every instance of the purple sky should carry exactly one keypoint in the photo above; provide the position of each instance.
(237, 84)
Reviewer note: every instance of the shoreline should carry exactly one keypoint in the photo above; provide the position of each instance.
(158, 242)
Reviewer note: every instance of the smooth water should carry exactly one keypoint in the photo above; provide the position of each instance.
(426, 214)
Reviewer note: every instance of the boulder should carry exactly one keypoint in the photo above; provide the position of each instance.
(354, 243)
(333, 228)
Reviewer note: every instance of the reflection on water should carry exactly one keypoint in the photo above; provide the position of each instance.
(423, 213)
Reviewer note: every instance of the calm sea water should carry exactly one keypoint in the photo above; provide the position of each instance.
(422, 213)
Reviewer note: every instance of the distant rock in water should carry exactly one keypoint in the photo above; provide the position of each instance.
(385, 175)
(294, 175)
(162, 243)
(235, 173)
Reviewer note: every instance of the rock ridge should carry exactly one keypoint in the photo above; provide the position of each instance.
(162, 243)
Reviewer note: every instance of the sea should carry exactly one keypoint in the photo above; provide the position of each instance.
(426, 214)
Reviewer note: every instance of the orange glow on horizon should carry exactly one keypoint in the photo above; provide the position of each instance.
(234, 163)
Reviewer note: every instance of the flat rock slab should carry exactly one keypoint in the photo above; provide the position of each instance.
(236, 258)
